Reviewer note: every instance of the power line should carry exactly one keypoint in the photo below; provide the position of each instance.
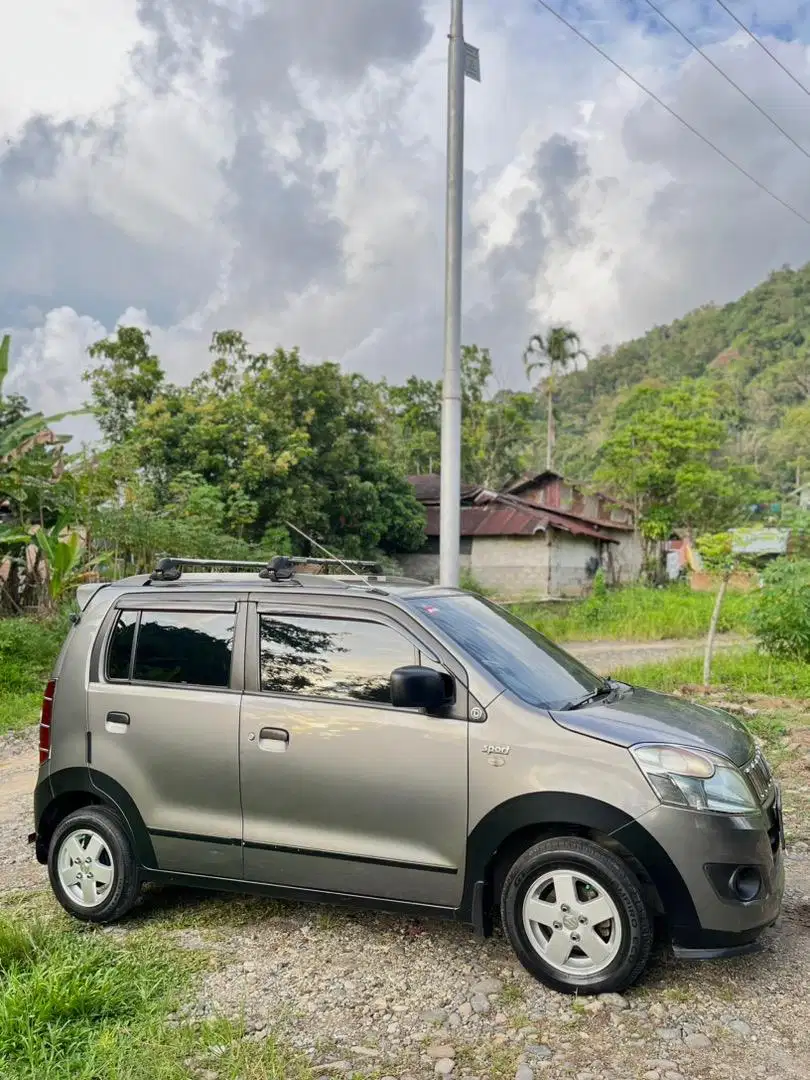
(763, 46)
(728, 78)
(671, 111)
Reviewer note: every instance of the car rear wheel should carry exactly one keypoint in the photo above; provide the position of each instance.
(92, 870)
(576, 917)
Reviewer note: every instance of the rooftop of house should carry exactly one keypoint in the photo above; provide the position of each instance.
(502, 513)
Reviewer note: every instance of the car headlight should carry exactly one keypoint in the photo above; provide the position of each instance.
(695, 779)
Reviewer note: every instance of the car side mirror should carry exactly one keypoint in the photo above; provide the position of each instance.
(420, 688)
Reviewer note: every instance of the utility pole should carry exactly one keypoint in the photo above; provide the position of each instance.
(450, 503)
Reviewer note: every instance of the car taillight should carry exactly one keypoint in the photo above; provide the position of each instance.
(45, 723)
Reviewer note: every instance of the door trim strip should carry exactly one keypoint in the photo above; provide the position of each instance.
(312, 853)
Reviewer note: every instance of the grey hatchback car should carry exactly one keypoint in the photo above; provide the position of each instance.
(381, 742)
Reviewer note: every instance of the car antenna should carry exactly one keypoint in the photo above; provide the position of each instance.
(336, 558)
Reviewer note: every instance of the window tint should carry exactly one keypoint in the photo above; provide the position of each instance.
(338, 658)
(184, 647)
(120, 650)
(517, 655)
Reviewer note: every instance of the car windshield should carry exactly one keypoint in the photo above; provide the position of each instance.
(516, 654)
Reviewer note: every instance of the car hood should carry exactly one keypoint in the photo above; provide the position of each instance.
(638, 716)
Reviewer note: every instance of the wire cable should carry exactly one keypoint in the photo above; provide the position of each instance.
(763, 46)
(685, 123)
(728, 78)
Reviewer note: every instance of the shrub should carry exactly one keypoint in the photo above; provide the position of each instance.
(781, 611)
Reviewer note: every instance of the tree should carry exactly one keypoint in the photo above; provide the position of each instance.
(553, 354)
(260, 439)
(717, 552)
(664, 452)
(128, 378)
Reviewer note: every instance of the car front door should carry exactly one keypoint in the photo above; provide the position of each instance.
(163, 722)
(342, 792)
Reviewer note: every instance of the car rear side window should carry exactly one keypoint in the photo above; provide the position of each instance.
(194, 648)
(184, 647)
(334, 658)
(119, 654)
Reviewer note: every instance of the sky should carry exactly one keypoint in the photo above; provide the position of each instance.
(279, 168)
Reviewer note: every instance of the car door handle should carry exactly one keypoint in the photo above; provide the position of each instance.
(117, 720)
(274, 739)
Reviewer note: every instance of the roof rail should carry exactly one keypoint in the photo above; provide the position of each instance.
(279, 568)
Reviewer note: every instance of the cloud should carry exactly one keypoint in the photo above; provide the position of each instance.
(279, 168)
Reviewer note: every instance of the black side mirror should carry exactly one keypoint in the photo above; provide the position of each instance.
(420, 688)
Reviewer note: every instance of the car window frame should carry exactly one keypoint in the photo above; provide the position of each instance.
(350, 610)
(188, 606)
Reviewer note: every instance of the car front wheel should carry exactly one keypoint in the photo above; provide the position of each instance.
(91, 867)
(576, 917)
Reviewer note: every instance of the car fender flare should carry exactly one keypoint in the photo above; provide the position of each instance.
(545, 809)
(105, 791)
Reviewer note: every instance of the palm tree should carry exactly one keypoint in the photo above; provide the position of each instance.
(554, 354)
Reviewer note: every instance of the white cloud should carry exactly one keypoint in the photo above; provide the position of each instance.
(280, 169)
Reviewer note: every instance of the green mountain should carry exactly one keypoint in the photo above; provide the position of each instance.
(754, 351)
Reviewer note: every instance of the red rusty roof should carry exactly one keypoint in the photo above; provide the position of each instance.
(499, 515)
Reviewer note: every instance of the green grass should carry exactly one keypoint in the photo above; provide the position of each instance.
(28, 648)
(740, 671)
(636, 613)
(75, 1005)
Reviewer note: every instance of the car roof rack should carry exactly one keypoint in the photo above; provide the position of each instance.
(281, 568)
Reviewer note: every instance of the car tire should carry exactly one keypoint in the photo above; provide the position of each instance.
(596, 949)
(92, 869)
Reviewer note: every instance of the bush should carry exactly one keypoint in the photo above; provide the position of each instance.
(781, 611)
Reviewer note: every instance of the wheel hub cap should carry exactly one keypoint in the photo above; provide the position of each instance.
(572, 922)
(84, 867)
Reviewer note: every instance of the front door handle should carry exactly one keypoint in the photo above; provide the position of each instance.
(274, 739)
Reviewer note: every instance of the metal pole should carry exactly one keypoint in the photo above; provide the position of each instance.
(450, 508)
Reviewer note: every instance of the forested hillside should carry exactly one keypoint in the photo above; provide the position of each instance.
(753, 353)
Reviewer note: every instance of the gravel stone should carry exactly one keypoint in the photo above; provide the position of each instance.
(524, 1073)
(444, 1066)
(439, 1052)
(672, 1076)
(433, 1016)
(739, 1027)
(669, 1034)
(538, 1052)
(614, 1001)
(698, 1041)
(487, 986)
(480, 1004)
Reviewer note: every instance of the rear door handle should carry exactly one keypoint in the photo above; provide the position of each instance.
(116, 720)
(274, 739)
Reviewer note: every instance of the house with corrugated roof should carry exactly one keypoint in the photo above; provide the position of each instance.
(514, 544)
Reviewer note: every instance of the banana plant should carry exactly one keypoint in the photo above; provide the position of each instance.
(30, 431)
(65, 559)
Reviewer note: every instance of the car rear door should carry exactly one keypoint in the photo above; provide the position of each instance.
(341, 792)
(163, 722)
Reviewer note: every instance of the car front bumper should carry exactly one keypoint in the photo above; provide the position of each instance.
(709, 918)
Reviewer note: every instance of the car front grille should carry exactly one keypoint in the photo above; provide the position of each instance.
(759, 776)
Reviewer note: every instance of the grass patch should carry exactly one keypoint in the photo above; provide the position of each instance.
(28, 648)
(75, 1005)
(740, 672)
(637, 613)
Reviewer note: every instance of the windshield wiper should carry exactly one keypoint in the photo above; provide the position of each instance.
(603, 691)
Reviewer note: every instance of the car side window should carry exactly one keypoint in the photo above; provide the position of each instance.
(185, 647)
(330, 657)
(119, 652)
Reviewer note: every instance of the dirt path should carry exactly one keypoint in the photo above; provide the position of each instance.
(18, 769)
(605, 656)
